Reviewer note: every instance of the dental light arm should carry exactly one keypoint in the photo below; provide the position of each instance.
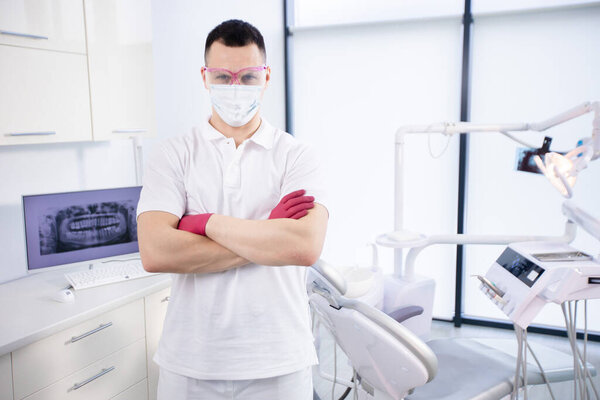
(568, 115)
(451, 128)
(590, 150)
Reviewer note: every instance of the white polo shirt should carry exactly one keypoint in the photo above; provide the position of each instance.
(249, 322)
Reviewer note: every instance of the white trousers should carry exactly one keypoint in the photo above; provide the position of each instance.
(295, 386)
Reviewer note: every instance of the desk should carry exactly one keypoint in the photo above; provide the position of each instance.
(33, 325)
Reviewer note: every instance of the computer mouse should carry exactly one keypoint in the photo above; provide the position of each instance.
(64, 296)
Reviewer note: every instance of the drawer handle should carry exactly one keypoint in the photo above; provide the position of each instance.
(166, 299)
(130, 130)
(98, 329)
(93, 378)
(31, 133)
(25, 35)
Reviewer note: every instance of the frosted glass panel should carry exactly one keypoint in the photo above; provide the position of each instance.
(319, 12)
(527, 68)
(352, 89)
(491, 6)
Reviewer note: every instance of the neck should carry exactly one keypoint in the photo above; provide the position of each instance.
(238, 134)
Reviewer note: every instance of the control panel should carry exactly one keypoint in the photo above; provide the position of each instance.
(528, 275)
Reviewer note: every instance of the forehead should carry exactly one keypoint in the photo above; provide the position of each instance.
(233, 58)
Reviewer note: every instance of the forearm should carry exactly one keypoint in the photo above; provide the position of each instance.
(266, 242)
(166, 249)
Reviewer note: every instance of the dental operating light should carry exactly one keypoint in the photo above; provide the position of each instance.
(562, 170)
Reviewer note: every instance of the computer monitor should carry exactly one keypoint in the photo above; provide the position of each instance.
(67, 228)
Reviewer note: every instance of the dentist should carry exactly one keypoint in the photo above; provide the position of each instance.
(236, 211)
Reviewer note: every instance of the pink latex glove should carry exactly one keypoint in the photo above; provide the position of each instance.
(293, 205)
(194, 223)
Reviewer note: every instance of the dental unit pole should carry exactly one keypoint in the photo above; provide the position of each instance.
(423, 288)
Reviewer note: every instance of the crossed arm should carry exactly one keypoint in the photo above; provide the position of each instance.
(230, 242)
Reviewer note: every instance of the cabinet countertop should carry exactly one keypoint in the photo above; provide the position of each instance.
(28, 313)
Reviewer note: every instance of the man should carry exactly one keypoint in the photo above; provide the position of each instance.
(248, 201)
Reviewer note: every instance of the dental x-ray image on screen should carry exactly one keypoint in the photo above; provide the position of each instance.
(83, 226)
(64, 228)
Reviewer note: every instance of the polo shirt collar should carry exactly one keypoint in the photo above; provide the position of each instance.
(210, 133)
(264, 135)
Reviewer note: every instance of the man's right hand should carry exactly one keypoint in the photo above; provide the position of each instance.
(293, 205)
(194, 223)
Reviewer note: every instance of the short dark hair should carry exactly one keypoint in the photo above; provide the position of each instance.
(235, 33)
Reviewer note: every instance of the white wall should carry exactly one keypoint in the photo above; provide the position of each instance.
(528, 67)
(352, 88)
(179, 31)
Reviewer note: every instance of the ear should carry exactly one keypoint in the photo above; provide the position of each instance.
(267, 79)
(203, 72)
(268, 76)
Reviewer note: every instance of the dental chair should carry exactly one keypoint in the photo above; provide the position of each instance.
(390, 362)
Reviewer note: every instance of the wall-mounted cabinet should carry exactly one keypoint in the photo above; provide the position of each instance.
(119, 35)
(58, 86)
(42, 24)
(44, 97)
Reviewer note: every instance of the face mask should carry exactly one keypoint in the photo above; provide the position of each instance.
(235, 104)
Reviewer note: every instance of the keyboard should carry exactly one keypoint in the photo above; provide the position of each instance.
(105, 273)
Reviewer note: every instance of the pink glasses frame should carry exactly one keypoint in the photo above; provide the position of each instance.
(234, 75)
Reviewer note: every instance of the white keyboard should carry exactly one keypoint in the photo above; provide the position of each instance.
(105, 273)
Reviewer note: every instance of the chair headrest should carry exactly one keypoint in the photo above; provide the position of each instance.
(332, 276)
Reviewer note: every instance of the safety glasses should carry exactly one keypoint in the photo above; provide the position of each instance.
(254, 76)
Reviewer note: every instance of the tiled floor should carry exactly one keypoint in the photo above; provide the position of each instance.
(562, 391)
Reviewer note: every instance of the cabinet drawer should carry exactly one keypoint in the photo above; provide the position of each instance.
(156, 309)
(41, 363)
(6, 390)
(121, 68)
(42, 24)
(139, 391)
(45, 96)
(101, 380)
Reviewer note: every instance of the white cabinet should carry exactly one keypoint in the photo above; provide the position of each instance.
(42, 24)
(46, 361)
(119, 39)
(44, 98)
(75, 71)
(139, 391)
(108, 356)
(6, 390)
(101, 380)
(156, 309)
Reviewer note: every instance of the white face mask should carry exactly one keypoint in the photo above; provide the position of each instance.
(235, 104)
